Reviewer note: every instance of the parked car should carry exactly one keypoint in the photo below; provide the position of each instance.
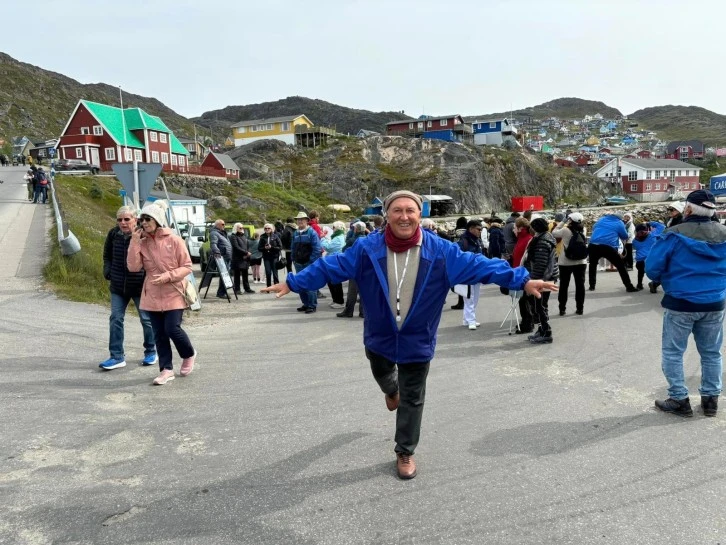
(76, 164)
(196, 236)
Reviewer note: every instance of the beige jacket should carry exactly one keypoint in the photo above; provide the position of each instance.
(562, 232)
(167, 255)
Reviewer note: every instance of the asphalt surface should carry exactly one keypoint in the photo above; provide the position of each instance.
(281, 435)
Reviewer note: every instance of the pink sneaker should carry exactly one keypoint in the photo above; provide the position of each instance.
(165, 376)
(187, 365)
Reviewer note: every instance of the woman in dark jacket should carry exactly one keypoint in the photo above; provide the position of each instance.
(270, 246)
(496, 239)
(240, 258)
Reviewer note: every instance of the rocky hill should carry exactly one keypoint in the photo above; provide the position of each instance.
(353, 171)
(344, 120)
(562, 108)
(683, 123)
(36, 102)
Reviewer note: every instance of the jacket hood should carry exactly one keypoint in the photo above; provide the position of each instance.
(711, 251)
(510, 219)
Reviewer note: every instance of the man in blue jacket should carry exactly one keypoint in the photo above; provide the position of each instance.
(607, 233)
(689, 260)
(404, 274)
(305, 251)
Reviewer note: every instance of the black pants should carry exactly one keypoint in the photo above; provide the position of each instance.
(409, 380)
(288, 261)
(596, 251)
(336, 291)
(167, 329)
(526, 313)
(533, 310)
(271, 270)
(629, 255)
(351, 299)
(244, 273)
(577, 272)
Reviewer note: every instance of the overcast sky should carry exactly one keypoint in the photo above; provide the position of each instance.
(421, 56)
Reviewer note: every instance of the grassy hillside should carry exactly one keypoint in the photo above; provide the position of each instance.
(563, 108)
(683, 123)
(345, 120)
(37, 103)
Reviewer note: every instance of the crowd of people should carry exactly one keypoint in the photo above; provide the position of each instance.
(401, 268)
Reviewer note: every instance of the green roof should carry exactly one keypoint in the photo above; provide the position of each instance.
(133, 119)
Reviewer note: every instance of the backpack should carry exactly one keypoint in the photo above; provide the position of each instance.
(577, 247)
(40, 178)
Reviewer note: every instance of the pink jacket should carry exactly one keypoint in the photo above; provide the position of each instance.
(167, 255)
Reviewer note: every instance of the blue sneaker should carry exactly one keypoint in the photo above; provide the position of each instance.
(150, 359)
(112, 363)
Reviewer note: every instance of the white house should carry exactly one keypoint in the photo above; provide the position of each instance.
(186, 208)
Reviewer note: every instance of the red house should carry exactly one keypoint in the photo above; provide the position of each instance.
(220, 164)
(565, 162)
(102, 135)
(582, 160)
(449, 127)
(648, 180)
(685, 149)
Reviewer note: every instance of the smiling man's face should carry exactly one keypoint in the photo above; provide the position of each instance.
(404, 217)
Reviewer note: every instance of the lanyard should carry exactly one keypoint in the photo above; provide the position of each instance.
(399, 283)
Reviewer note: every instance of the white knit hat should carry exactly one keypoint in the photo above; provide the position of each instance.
(155, 211)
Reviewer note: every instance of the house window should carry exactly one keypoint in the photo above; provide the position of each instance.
(657, 174)
(98, 130)
(673, 173)
(493, 125)
(429, 124)
(137, 155)
(679, 173)
(127, 154)
(154, 156)
(85, 130)
(162, 137)
(190, 147)
(110, 154)
(181, 160)
(286, 126)
(152, 137)
(633, 187)
(420, 124)
(443, 122)
(165, 158)
(657, 187)
(694, 185)
(173, 159)
(269, 126)
(241, 130)
(648, 187)
(79, 153)
(632, 175)
(410, 125)
(648, 174)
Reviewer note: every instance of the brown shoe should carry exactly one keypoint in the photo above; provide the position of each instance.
(405, 465)
(392, 401)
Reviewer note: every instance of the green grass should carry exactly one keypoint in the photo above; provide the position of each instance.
(79, 277)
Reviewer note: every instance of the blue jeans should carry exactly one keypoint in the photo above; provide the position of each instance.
(309, 298)
(116, 326)
(707, 329)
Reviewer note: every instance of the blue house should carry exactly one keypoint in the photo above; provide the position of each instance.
(494, 132)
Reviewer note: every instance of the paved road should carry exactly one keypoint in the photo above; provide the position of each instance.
(281, 436)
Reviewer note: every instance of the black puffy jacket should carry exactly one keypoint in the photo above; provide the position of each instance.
(115, 250)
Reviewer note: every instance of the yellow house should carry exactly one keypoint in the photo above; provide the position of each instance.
(593, 141)
(277, 128)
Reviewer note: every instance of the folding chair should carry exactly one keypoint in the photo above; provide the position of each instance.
(513, 313)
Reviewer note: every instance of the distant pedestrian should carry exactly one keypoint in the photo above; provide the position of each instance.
(510, 236)
(240, 259)
(470, 241)
(608, 234)
(333, 245)
(306, 250)
(496, 239)
(675, 214)
(221, 247)
(30, 183)
(359, 231)
(628, 244)
(255, 258)
(286, 239)
(271, 246)
(645, 235)
(165, 258)
(690, 261)
(572, 261)
(125, 286)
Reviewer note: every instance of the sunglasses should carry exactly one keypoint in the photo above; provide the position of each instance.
(145, 218)
(123, 220)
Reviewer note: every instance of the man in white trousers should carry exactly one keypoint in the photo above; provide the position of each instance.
(470, 241)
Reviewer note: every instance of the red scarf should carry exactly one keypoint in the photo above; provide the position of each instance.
(401, 244)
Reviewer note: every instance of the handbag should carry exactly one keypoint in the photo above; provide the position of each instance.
(190, 293)
(281, 262)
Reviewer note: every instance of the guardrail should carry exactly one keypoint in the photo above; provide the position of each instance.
(68, 242)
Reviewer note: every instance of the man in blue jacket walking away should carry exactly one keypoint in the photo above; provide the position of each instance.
(404, 274)
(689, 260)
(607, 234)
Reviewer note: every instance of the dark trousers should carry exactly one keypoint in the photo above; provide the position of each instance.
(244, 273)
(577, 272)
(629, 255)
(271, 270)
(409, 380)
(351, 299)
(640, 266)
(167, 329)
(540, 310)
(525, 313)
(288, 261)
(596, 251)
(336, 291)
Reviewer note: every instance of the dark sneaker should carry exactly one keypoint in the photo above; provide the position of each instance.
(457, 307)
(563, 312)
(522, 330)
(344, 314)
(709, 405)
(579, 312)
(653, 287)
(681, 407)
(541, 339)
(631, 289)
(310, 310)
(302, 308)
(639, 287)
(591, 288)
(249, 291)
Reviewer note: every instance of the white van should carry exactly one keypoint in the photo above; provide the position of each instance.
(197, 235)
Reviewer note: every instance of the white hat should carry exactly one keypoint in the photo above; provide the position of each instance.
(576, 217)
(302, 215)
(155, 211)
(678, 205)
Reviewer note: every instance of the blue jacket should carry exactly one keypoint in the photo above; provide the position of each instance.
(441, 266)
(690, 261)
(642, 247)
(300, 238)
(333, 245)
(608, 231)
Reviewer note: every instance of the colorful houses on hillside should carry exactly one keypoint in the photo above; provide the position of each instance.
(450, 128)
(651, 179)
(276, 128)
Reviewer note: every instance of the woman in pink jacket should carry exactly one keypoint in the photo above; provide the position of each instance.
(166, 261)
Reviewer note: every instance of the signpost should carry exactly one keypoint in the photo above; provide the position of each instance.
(137, 178)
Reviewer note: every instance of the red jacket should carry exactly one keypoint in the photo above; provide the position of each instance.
(316, 227)
(523, 238)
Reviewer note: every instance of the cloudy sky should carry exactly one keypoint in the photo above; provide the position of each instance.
(420, 56)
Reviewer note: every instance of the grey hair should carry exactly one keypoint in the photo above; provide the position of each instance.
(697, 210)
(338, 226)
(359, 227)
(428, 223)
(268, 225)
(236, 227)
(127, 210)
